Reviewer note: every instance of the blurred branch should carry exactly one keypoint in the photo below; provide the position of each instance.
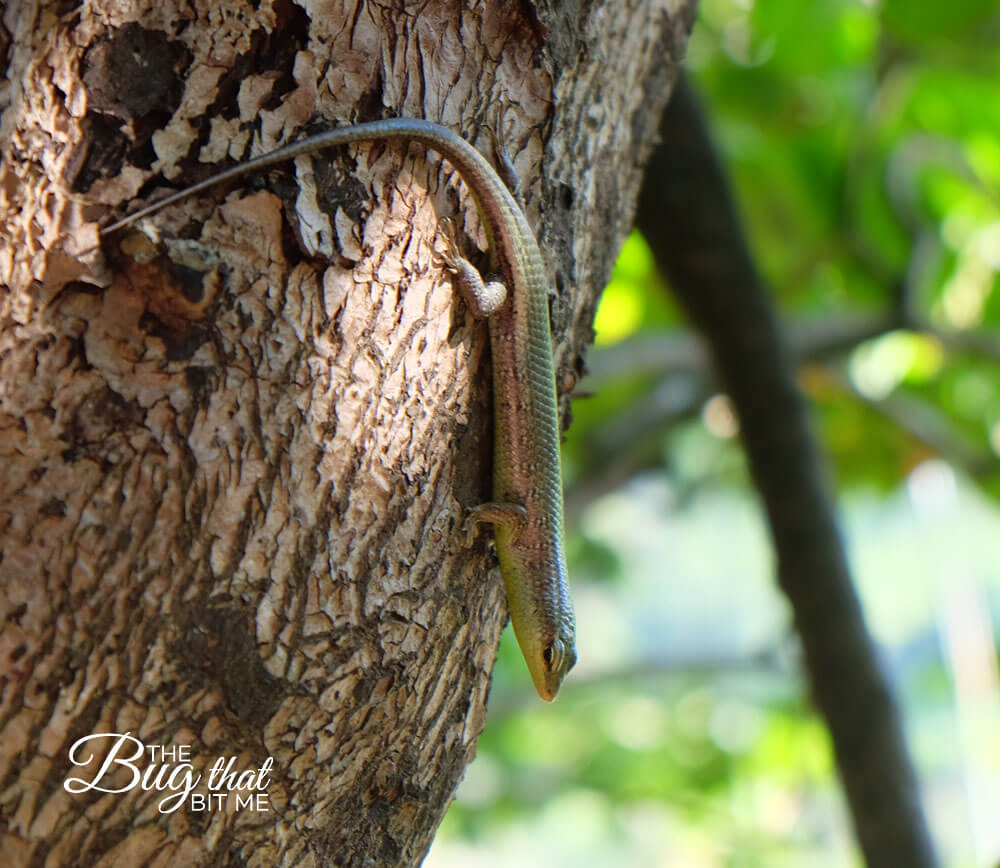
(612, 473)
(674, 399)
(930, 427)
(632, 440)
(645, 355)
(908, 159)
(983, 344)
(817, 340)
(687, 214)
(659, 355)
(809, 340)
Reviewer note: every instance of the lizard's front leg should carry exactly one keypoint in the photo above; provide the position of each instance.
(484, 298)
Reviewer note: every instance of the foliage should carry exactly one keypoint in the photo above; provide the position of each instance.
(863, 141)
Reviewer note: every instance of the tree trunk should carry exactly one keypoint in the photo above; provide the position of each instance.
(237, 450)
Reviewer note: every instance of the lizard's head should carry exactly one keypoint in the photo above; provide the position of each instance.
(549, 661)
(541, 614)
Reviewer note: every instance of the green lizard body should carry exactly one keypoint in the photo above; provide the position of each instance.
(527, 512)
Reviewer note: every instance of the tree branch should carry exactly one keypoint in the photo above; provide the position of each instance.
(686, 212)
(809, 340)
(923, 423)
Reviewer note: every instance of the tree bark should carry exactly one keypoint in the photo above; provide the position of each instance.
(237, 452)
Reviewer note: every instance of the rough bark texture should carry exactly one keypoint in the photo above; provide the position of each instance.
(236, 455)
(686, 212)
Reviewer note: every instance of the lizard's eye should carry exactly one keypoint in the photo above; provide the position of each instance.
(553, 655)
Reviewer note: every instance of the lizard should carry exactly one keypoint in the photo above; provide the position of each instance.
(527, 507)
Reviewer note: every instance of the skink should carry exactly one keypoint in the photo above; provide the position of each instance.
(527, 508)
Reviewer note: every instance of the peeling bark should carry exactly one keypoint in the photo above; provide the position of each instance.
(237, 449)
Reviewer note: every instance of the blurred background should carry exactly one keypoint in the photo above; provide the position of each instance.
(863, 143)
